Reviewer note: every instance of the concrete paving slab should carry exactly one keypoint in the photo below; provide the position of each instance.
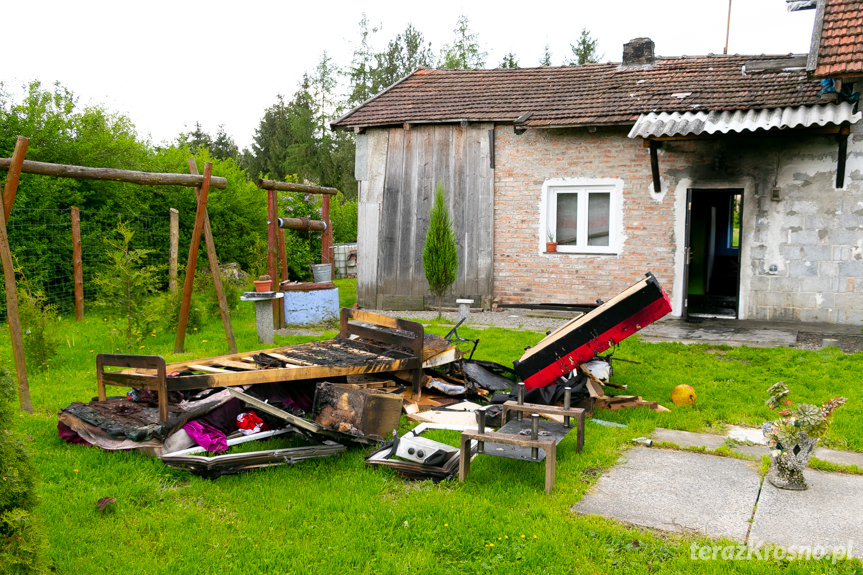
(714, 333)
(744, 434)
(688, 438)
(677, 491)
(839, 457)
(755, 451)
(826, 515)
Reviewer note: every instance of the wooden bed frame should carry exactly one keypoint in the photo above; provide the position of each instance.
(371, 343)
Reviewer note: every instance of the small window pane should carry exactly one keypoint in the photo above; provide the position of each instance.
(567, 219)
(598, 212)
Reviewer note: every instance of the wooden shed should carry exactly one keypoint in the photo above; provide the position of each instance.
(398, 169)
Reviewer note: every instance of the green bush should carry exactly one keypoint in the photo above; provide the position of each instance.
(38, 320)
(343, 216)
(21, 538)
(124, 282)
(166, 307)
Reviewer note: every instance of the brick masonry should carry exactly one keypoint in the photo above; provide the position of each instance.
(801, 256)
(523, 274)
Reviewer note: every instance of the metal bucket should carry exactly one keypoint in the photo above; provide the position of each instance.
(323, 273)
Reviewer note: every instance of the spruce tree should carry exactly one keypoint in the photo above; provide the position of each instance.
(440, 258)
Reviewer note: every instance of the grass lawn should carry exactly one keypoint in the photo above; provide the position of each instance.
(337, 516)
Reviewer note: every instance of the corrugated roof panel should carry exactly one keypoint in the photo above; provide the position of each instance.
(655, 125)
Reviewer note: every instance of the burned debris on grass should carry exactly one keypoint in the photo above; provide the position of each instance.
(352, 390)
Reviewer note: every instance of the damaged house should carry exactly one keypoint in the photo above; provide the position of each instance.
(732, 178)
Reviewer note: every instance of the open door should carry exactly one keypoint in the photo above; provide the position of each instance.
(712, 253)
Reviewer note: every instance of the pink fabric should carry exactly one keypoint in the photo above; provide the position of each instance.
(69, 435)
(207, 436)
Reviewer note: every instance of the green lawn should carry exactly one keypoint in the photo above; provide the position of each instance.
(337, 516)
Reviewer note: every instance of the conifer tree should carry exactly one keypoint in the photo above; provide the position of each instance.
(440, 258)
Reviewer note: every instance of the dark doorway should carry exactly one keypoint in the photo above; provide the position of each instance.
(713, 248)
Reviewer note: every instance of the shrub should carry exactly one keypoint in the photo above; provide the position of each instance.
(21, 539)
(38, 320)
(125, 282)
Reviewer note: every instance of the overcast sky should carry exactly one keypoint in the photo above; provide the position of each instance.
(169, 64)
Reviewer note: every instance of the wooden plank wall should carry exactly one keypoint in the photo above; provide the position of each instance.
(405, 170)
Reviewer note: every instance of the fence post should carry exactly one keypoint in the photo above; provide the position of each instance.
(9, 278)
(76, 264)
(327, 236)
(185, 304)
(173, 250)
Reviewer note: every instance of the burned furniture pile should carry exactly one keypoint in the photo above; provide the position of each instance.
(325, 396)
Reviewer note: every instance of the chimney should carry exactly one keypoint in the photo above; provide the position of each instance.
(638, 52)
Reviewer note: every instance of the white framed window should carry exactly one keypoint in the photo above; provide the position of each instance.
(582, 215)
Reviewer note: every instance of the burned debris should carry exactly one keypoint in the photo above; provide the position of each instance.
(353, 389)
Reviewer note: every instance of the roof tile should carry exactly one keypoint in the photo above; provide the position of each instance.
(592, 94)
(840, 49)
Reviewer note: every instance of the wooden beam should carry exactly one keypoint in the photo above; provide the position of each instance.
(327, 236)
(11, 187)
(292, 187)
(200, 212)
(213, 259)
(302, 224)
(77, 268)
(114, 175)
(12, 315)
(654, 166)
(173, 249)
(273, 253)
(283, 255)
(842, 137)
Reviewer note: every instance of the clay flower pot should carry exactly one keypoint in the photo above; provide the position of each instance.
(263, 285)
(551, 246)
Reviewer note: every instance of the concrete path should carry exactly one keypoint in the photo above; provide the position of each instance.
(677, 491)
(719, 496)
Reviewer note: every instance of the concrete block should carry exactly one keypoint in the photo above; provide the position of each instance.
(816, 253)
(802, 269)
(784, 284)
(783, 314)
(851, 269)
(813, 315)
(775, 299)
(760, 283)
(803, 237)
(815, 284)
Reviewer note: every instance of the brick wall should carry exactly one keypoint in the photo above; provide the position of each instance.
(522, 273)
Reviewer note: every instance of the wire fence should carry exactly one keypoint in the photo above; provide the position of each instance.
(41, 245)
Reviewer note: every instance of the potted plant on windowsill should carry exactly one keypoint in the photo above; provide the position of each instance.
(550, 245)
(792, 438)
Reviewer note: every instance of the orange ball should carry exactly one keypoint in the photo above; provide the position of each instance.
(683, 395)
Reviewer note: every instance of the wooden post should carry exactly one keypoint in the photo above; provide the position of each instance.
(173, 250)
(283, 254)
(77, 268)
(12, 304)
(11, 187)
(193, 258)
(327, 236)
(214, 270)
(272, 254)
